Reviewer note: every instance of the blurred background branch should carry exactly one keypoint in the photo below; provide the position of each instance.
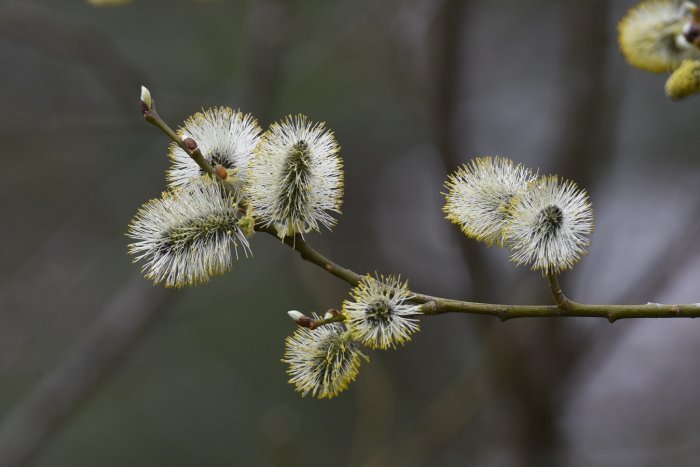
(50, 403)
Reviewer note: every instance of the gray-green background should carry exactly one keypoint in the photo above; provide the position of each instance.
(412, 89)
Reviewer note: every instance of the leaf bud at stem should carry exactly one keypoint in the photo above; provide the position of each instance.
(146, 100)
(332, 313)
(301, 319)
(189, 143)
(221, 171)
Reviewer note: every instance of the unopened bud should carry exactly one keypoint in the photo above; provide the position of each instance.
(330, 314)
(295, 315)
(301, 319)
(691, 33)
(221, 171)
(189, 143)
(146, 100)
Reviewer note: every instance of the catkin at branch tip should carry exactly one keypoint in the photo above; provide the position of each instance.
(295, 180)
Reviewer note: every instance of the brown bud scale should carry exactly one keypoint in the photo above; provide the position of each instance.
(221, 171)
(190, 144)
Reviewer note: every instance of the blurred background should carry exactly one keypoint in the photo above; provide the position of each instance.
(100, 368)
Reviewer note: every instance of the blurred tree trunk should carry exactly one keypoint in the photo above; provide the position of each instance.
(44, 410)
(551, 353)
(448, 84)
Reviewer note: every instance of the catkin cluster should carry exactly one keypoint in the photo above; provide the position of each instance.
(663, 36)
(544, 221)
(289, 180)
(323, 360)
(290, 177)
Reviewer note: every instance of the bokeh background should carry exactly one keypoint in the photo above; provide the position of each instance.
(100, 368)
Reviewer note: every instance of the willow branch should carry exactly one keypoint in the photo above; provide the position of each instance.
(437, 305)
(307, 253)
(564, 306)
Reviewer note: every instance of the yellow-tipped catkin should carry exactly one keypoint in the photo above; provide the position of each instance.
(380, 314)
(685, 81)
(652, 36)
(479, 194)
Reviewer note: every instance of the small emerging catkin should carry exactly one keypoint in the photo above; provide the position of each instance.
(685, 81)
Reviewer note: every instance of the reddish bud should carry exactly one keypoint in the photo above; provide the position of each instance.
(189, 143)
(692, 33)
(221, 171)
(306, 322)
(301, 319)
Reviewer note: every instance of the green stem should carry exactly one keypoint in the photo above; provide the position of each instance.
(559, 298)
(563, 308)
(320, 322)
(309, 254)
(436, 305)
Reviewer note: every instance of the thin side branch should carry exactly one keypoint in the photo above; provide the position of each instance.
(437, 305)
(559, 298)
(564, 306)
(307, 253)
